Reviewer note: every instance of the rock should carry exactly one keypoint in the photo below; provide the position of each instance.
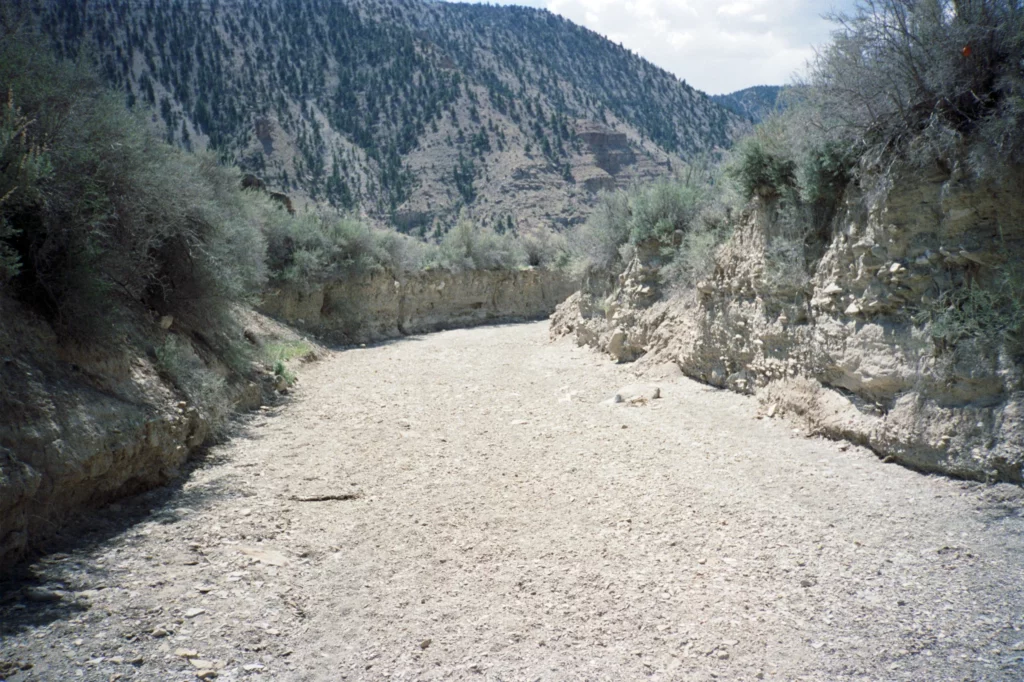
(265, 556)
(193, 613)
(166, 322)
(617, 345)
(186, 653)
(635, 394)
(206, 674)
(833, 290)
(426, 643)
(43, 595)
(852, 309)
(159, 632)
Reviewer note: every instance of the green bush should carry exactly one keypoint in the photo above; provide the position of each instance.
(661, 209)
(120, 218)
(762, 166)
(596, 243)
(994, 310)
(826, 170)
(545, 249)
(469, 246)
(283, 352)
(24, 165)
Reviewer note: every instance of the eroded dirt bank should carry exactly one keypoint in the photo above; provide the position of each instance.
(380, 306)
(843, 330)
(465, 506)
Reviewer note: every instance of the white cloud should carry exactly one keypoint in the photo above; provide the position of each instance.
(715, 46)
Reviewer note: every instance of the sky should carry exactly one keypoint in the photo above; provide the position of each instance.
(716, 46)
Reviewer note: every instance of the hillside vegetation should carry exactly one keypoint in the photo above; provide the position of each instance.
(407, 110)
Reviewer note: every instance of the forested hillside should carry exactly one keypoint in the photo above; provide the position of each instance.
(754, 103)
(406, 110)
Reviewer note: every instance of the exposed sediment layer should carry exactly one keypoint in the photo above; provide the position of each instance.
(381, 306)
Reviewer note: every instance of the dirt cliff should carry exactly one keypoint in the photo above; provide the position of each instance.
(382, 306)
(850, 345)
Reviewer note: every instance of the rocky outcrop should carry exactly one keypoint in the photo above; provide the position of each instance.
(381, 306)
(848, 346)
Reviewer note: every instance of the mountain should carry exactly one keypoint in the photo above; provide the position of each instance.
(407, 110)
(754, 104)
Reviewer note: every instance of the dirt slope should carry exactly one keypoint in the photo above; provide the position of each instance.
(494, 519)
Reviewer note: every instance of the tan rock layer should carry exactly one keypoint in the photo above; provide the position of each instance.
(382, 306)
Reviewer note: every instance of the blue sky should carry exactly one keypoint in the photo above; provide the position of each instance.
(715, 46)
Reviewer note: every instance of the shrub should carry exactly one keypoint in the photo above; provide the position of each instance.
(317, 247)
(468, 246)
(826, 169)
(896, 68)
(24, 165)
(595, 244)
(283, 352)
(762, 166)
(121, 218)
(178, 362)
(986, 311)
(662, 208)
(545, 249)
(694, 260)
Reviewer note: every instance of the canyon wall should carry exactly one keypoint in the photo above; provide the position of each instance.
(847, 345)
(381, 306)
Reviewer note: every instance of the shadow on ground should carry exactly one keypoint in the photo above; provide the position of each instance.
(42, 589)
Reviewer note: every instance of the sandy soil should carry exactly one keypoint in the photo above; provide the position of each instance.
(465, 505)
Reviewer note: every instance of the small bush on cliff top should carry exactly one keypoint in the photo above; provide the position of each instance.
(762, 164)
(596, 243)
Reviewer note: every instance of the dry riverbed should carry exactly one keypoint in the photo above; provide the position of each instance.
(469, 506)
